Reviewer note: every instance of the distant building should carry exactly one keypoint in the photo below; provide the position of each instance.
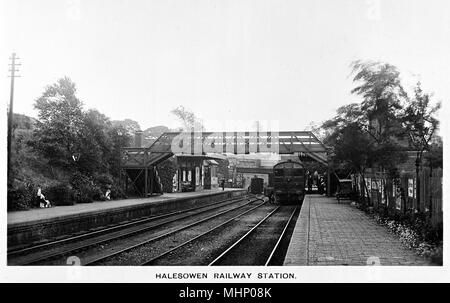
(247, 169)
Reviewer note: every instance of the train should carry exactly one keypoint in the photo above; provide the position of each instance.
(288, 183)
(256, 185)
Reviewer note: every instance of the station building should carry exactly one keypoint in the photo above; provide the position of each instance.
(196, 173)
(193, 172)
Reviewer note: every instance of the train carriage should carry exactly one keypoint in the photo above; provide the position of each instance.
(256, 185)
(289, 181)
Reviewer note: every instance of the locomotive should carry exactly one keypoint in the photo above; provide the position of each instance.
(289, 180)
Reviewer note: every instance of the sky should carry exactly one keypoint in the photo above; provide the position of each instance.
(231, 62)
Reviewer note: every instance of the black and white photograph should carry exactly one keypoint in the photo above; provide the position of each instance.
(224, 141)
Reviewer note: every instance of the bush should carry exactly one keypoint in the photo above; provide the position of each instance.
(60, 194)
(415, 232)
(86, 193)
(22, 196)
(103, 181)
(166, 172)
(84, 188)
(436, 255)
(117, 192)
(88, 189)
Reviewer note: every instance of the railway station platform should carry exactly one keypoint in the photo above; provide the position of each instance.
(328, 233)
(43, 224)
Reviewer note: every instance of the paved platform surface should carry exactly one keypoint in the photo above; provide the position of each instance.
(61, 211)
(328, 233)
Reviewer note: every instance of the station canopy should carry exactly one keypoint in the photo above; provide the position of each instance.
(214, 145)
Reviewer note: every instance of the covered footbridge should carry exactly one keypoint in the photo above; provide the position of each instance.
(139, 163)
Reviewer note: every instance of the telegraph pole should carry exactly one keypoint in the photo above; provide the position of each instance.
(13, 70)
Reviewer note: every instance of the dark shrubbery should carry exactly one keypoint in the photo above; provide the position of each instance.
(84, 188)
(427, 230)
(117, 192)
(419, 223)
(80, 189)
(60, 194)
(166, 171)
(88, 189)
(103, 182)
(416, 232)
(22, 196)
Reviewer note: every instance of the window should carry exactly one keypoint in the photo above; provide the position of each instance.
(279, 172)
(297, 172)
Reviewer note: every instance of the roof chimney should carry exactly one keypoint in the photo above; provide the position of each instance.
(138, 138)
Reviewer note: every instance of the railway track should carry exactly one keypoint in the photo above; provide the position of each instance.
(260, 244)
(54, 249)
(273, 224)
(148, 244)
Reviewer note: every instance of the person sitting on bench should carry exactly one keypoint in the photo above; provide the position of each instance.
(43, 203)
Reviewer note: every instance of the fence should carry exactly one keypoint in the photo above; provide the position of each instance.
(399, 195)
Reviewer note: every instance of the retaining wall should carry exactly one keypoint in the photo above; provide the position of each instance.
(23, 234)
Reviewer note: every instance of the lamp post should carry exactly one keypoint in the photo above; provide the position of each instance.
(430, 203)
(119, 164)
(417, 182)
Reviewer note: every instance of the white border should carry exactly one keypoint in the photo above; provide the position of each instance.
(328, 274)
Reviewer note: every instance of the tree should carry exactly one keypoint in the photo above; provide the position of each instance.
(379, 114)
(82, 144)
(317, 130)
(383, 97)
(188, 119)
(69, 153)
(129, 125)
(96, 143)
(419, 120)
(420, 123)
(166, 171)
(370, 133)
(60, 123)
(222, 169)
(119, 137)
(351, 121)
(434, 155)
(353, 149)
(152, 133)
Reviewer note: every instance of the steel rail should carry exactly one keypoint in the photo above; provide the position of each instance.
(147, 262)
(119, 228)
(108, 256)
(243, 237)
(280, 238)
